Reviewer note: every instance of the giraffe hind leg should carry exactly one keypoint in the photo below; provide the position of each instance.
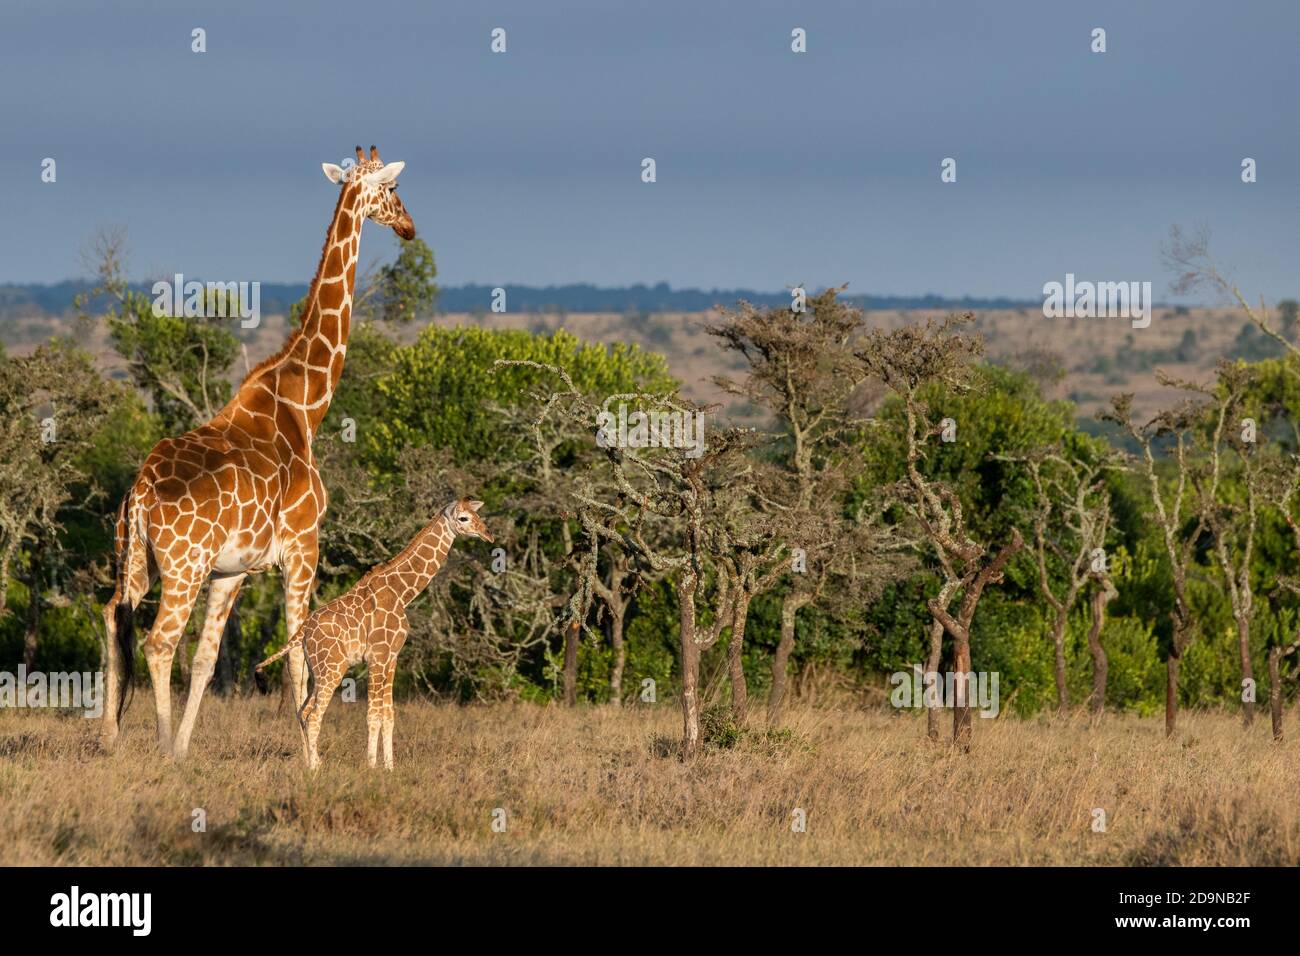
(313, 711)
(299, 570)
(119, 659)
(118, 629)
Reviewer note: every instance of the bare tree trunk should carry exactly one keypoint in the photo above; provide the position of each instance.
(690, 665)
(31, 632)
(932, 667)
(959, 628)
(620, 654)
(571, 636)
(961, 729)
(1275, 690)
(1058, 647)
(1247, 669)
(790, 605)
(736, 661)
(1171, 693)
(1100, 665)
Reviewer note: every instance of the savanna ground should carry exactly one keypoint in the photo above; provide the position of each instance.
(599, 785)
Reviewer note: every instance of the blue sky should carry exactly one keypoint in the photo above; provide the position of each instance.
(773, 168)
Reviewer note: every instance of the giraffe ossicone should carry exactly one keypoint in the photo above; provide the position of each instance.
(368, 623)
(241, 493)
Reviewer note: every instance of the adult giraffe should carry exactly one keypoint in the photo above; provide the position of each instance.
(242, 494)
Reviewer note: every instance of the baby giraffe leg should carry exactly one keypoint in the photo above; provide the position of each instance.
(327, 677)
(388, 715)
(380, 669)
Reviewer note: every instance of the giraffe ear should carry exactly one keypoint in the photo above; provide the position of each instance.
(475, 505)
(333, 173)
(385, 175)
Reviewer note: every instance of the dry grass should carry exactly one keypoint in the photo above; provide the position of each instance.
(600, 786)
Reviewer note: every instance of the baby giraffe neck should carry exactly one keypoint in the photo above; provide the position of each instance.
(410, 572)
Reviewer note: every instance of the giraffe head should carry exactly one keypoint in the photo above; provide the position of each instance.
(464, 519)
(374, 188)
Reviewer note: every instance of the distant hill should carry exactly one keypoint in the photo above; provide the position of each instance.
(32, 300)
(1099, 357)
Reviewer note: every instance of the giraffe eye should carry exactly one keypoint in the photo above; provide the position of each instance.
(464, 517)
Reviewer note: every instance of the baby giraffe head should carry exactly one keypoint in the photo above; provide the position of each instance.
(464, 519)
(370, 191)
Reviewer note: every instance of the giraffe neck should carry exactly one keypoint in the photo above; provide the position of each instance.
(410, 572)
(308, 370)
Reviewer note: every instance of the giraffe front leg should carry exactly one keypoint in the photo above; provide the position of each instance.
(375, 696)
(222, 593)
(388, 714)
(160, 647)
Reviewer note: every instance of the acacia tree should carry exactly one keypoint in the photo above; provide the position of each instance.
(802, 371)
(561, 432)
(52, 405)
(403, 289)
(842, 560)
(906, 361)
(1071, 516)
(539, 500)
(1276, 655)
(664, 503)
(615, 590)
(1102, 594)
(685, 493)
(751, 543)
(1232, 512)
(1280, 489)
(1176, 424)
(505, 618)
(756, 530)
(181, 362)
(1188, 256)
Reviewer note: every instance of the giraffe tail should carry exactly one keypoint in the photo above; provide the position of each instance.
(278, 654)
(132, 585)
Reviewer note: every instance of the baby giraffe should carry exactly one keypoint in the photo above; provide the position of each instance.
(369, 623)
